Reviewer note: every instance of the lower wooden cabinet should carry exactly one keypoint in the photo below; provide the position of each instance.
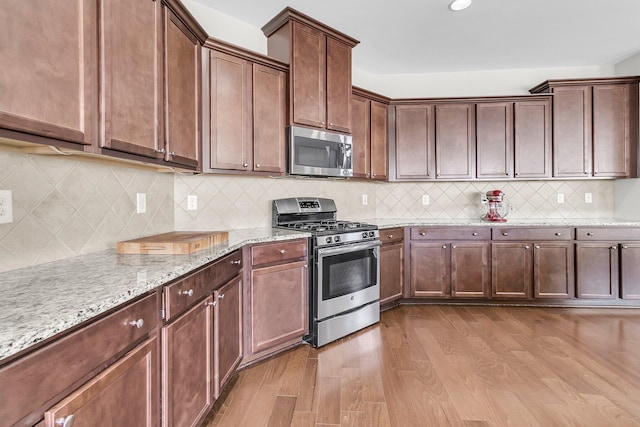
(630, 270)
(597, 270)
(470, 276)
(125, 394)
(391, 265)
(511, 272)
(228, 331)
(553, 270)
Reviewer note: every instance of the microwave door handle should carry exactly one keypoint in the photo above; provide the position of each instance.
(342, 156)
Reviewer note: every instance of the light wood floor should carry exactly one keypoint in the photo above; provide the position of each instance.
(453, 366)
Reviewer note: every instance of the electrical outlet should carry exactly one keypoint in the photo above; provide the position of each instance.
(192, 202)
(560, 197)
(588, 198)
(425, 199)
(141, 203)
(365, 199)
(6, 207)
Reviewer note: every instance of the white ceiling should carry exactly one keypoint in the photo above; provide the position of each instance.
(424, 36)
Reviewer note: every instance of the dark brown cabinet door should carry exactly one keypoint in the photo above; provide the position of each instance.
(611, 130)
(338, 86)
(470, 276)
(308, 70)
(391, 271)
(228, 331)
(430, 270)
(279, 305)
(630, 270)
(230, 145)
(572, 131)
(361, 136)
(48, 84)
(131, 76)
(187, 355)
(597, 270)
(455, 141)
(553, 270)
(511, 270)
(415, 152)
(532, 148)
(182, 88)
(494, 140)
(269, 119)
(125, 394)
(379, 141)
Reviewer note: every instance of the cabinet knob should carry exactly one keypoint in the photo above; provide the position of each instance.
(504, 233)
(244, 165)
(537, 246)
(422, 233)
(160, 150)
(390, 236)
(374, 174)
(137, 323)
(257, 165)
(211, 303)
(558, 234)
(66, 421)
(526, 247)
(172, 153)
(453, 246)
(444, 246)
(236, 262)
(614, 247)
(474, 234)
(188, 293)
(586, 173)
(322, 123)
(589, 234)
(282, 251)
(625, 247)
(221, 296)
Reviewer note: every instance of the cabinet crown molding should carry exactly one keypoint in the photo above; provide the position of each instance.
(547, 84)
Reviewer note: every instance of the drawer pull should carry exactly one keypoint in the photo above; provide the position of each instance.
(244, 165)
(444, 246)
(453, 246)
(537, 247)
(558, 234)
(211, 303)
(625, 247)
(66, 421)
(504, 233)
(236, 262)
(589, 234)
(474, 234)
(282, 251)
(422, 233)
(137, 323)
(221, 296)
(188, 293)
(390, 236)
(614, 247)
(257, 165)
(526, 247)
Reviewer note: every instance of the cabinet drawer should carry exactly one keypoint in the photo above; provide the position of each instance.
(450, 233)
(392, 235)
(278, 252)
(221, 271)
(620, 234)
(48, 374)
(182, 294)
(526, 233)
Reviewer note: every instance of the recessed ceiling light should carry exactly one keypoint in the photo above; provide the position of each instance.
(457, 5)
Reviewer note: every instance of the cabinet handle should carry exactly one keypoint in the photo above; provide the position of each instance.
(157, 151)
(282, 251)
(390, 236)
(322, 123)
(474, 234)
(257, 165)
(526, 247)
(66, 421)
(504, 233)
(236, 262)
(211, 303)
(188, 293)
(374, 174)
(589, 234)
(137, 323)
(173, 153)
(558, 234)
(221, 296)
(625, 247)
(244, 165)
(453, 246)
(614, 247)
(444, 246)
(537, 247)
(422, 233)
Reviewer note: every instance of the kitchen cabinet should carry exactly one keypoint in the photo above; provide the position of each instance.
(369, 126)
(31, 93)
(449, 262)
(532, 262)
(391, 265)
(183, 92)
(455, 141)
(246, 111)
(630, 270)
(494, 139)
(595, 126)
(597, 270)
(112, 348)
(532, 133)
(320, 69)
(414, 142)
(124, 394)
(228, 331)
(276, 298)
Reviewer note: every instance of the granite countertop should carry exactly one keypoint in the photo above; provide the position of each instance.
(40, 301)
(511, 222)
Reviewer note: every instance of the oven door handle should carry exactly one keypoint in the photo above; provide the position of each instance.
(349, 248)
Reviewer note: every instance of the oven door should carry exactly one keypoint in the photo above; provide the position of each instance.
(347, 277)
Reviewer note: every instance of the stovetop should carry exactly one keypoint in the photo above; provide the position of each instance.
(330, 227)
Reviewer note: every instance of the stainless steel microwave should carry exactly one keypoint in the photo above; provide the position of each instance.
(316, 152)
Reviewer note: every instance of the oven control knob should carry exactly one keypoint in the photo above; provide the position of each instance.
(372, 234)
(328, 239)
(336, 239)
(365, 234)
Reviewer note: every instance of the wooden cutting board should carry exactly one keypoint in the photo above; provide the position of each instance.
(174, 243)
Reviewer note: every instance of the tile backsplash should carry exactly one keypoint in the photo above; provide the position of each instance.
(64, 206)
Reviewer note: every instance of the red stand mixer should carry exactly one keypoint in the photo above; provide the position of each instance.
(497, 208)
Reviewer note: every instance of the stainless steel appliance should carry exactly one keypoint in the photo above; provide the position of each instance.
(319, 153)
(344, 294)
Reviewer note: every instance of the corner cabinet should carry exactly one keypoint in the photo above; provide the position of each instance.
(370, 124)
(245, 111)
(320, 74)
(595, 127)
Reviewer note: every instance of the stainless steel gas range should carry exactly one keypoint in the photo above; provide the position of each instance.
(345, 268)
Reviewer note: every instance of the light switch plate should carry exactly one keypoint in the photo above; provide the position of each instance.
(560, 197)
(588, 198)
(425, 199)
(141, 203)
(6, 207)
(192, 202)
(365, 199)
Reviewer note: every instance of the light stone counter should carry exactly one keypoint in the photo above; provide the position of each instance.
(40, 301)
(515, 222)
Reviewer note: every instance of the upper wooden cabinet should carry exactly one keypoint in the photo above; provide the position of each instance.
(454, 141)
(494, 138)
(414, 146)
(245, 111)
(320, 74)
(32, 93)
(595, 126)
(370, 127)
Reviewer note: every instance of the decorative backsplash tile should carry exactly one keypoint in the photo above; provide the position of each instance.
(64, 207)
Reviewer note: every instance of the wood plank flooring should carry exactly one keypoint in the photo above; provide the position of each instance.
(453, 366)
